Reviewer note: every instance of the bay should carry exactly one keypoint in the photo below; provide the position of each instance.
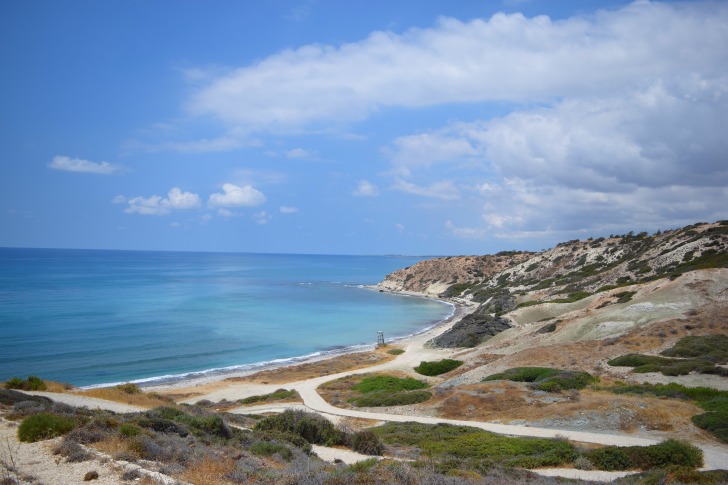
(92, 317)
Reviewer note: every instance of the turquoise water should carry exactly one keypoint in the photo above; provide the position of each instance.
(94, 317)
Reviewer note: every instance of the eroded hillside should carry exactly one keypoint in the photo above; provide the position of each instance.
(570, 270)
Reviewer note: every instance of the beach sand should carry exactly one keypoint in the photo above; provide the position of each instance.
(241, 384)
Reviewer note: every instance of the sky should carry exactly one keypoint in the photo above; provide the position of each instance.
(416, 127)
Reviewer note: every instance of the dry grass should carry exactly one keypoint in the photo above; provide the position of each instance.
(142, 399)
(514, 401)
(52, 386)
(209, 471)
(357, 424)
(320, 368)
(114, 445)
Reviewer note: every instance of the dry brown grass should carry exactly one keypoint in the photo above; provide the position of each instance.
(142, 399)
(112, 445)
(209, 471)
(514, 401)
(320, 368)
(52, 386)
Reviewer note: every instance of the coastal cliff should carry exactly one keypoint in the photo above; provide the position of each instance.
(571, 271)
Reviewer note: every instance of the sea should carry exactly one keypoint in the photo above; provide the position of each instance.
(101, 317)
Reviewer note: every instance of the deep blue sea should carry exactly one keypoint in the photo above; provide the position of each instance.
(91, 317)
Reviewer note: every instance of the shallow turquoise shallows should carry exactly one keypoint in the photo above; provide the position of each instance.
(94, 317)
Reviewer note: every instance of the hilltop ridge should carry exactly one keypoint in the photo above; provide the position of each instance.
(569, 272)
(576, 265)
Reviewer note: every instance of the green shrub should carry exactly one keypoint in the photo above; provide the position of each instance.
(662, 455)
(32, 383)
(523, 374)
(267, 448)
(481, 449)
(713, 348)
(367, 443)
(43, 426)
(388, 383)
(670, 367)
(637, 360)
(624, 296)
(667, 453)
(546, 378)
(129, 388)
(715, 422)
(395, 351)
(285, 437)
(311, 427)
(171, 420)
(273, 396)
(610, 458)
(437, 367)
(390, 398)
(364, 465)
(129, 430)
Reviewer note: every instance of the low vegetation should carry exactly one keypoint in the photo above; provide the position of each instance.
(545, 378)
(715, 402)
(387, 398)
(395, 351)
(128, 393)
(278, 395)
(437, 368)
(702, 354)
(43, 426)
(32, 383)
(388, 383)
(380, 390)
(317, 430)
(662, 455)
(466, 448)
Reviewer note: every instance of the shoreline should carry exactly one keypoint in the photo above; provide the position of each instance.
(191, 380)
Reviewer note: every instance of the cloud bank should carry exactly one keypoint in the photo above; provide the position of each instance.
(158, 206)
(608, 121)
(68, 164)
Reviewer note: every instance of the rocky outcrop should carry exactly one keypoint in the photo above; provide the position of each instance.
(471, 331)
(435, 276)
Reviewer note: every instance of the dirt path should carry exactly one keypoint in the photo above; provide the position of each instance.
(88, 402)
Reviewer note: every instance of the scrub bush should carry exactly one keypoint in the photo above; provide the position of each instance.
(43, 426)
(32, 383)
(437, 367)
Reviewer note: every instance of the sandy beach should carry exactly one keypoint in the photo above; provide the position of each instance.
(239, 384)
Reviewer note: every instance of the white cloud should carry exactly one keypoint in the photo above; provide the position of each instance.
(465, 232)
(299, 153)
(224, 143)
(444, 189)
(159, 206)
(80, 165)
(176, 199)
(425, 149)
(506, 57)
(262, 217)
(365, 189)
(119, 199)
(288, 210)
(234, 196)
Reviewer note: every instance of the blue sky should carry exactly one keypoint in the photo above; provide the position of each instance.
(408, 127)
